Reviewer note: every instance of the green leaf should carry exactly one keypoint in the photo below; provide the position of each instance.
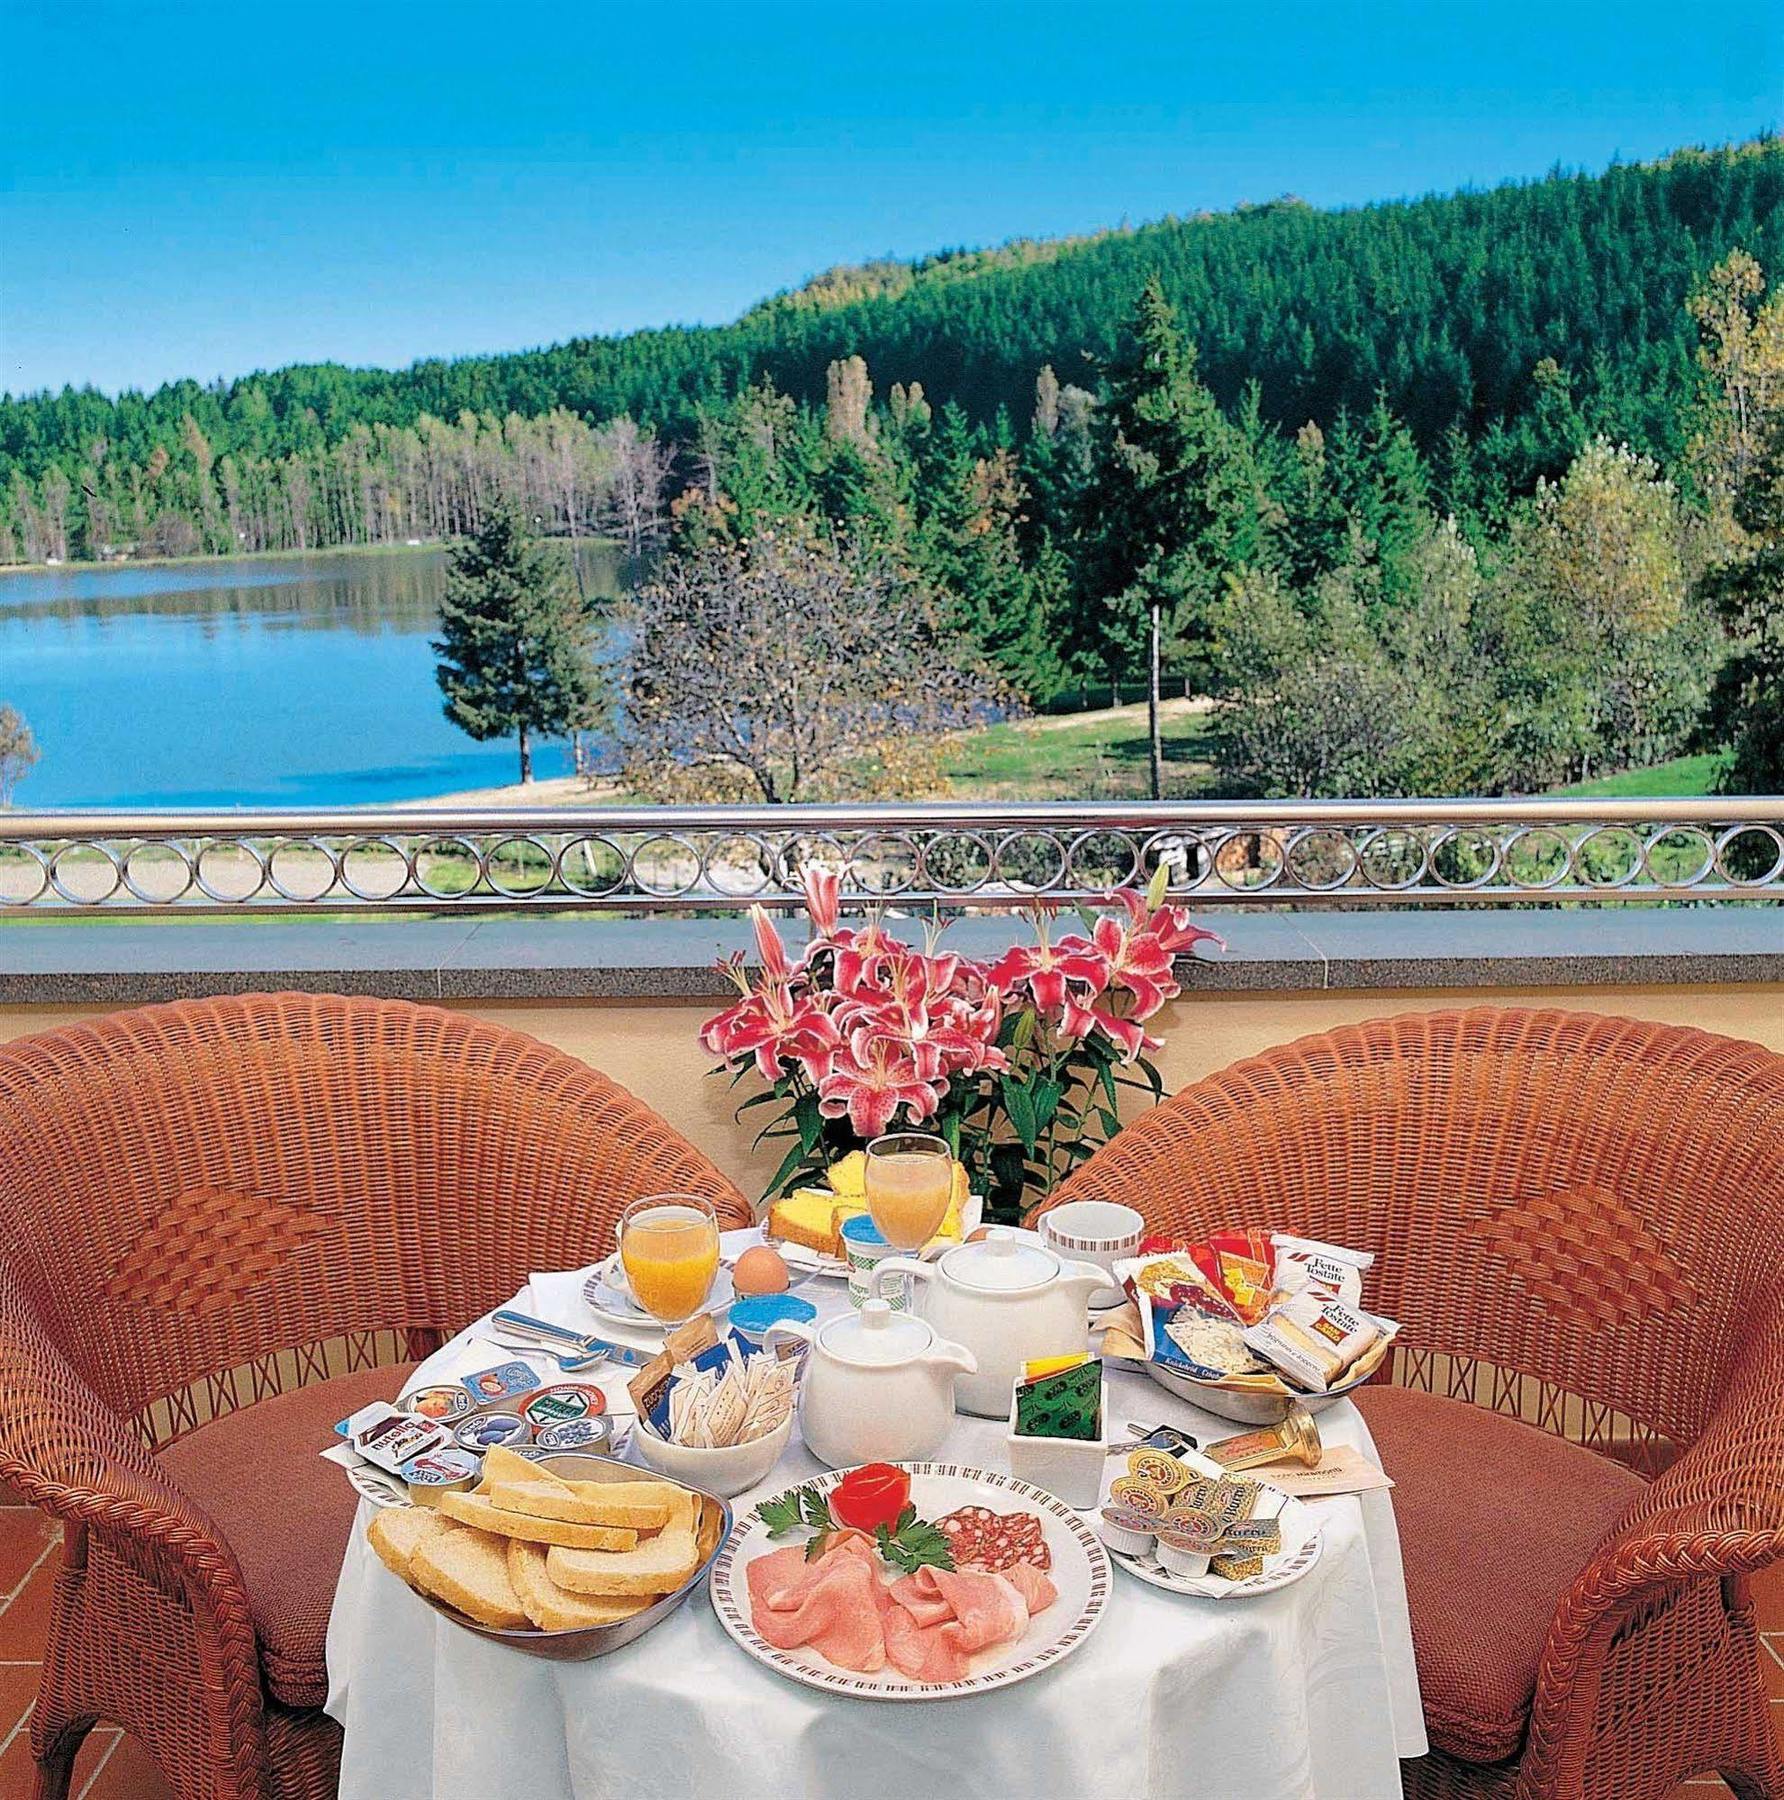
(1111, 1123)
(913, 1544)
(1019, 1104)
(1108, 1074)
(792, 1161)
(782, 1514)
(1047, 1093)
(809, 1120)
(763, 1099)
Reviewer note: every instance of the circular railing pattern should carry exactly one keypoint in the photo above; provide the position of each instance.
(957, 858)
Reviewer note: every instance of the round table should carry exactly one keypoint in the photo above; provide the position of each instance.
(1307, 1693)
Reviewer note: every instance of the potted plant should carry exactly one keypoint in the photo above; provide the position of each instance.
(1020, 1063)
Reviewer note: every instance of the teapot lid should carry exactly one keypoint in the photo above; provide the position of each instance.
(1000, 1263)
(876, 1337)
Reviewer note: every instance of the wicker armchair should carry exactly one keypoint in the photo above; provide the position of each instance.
(1580, 1224)
(219, 1218)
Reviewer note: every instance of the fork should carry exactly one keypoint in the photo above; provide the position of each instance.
(579, 1351)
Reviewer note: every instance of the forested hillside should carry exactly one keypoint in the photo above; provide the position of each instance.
(1496, 325)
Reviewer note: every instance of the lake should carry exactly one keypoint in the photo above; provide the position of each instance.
(261, 681)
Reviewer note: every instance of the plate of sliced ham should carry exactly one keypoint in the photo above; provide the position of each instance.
(843, 1611)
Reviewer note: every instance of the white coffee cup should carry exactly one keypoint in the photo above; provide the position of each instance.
(1094, 1231)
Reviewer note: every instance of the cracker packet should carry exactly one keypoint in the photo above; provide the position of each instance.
(1318, 1341)
(1307, 1263)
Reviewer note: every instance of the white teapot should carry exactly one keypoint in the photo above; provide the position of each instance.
(878, 1385)
(1007, 1299)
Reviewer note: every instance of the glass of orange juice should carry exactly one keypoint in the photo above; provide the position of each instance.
(910, 1178)
(669, 1247)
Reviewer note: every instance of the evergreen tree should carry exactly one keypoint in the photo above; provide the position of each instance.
(1170, 500)
(1390, 501)
(971, 550)
(514, 647)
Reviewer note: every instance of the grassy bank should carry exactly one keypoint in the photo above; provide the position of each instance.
(1684, 777)
(1081, 756)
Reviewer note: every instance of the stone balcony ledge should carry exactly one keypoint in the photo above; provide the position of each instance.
(603, 958)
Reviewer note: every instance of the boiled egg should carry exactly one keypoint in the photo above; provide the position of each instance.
(759, 1270)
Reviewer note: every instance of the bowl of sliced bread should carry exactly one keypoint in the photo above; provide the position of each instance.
(566, 1556)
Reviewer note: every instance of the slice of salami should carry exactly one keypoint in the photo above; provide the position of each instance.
(965, 1528)
(996, 1541)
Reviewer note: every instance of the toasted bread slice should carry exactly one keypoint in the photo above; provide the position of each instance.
(469, 1571)
(553, 1608)
(477, 1510)
(642, 1505)
(659, 1565)
(505, 1465)
(397, 1532)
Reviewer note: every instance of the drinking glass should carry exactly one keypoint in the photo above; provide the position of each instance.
(669, 1247)
(910, 1179)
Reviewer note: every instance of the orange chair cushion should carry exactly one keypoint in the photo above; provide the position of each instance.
(286, 1513)
(1496, 1519)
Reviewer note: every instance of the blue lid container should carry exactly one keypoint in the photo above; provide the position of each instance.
(860, 1229)
(751, 1318)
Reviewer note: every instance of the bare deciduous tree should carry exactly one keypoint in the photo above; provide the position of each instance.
(637, 477)
(787, 668)
(18, 751)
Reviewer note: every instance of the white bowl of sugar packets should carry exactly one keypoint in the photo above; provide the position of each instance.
(727, 1471)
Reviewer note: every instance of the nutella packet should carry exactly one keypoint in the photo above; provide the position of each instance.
(1305, 1262)
(388, 1438)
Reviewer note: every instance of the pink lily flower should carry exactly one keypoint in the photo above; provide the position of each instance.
(870, 1077)
(771, 1022)
(1046, 968)
(1078, 1020)
(821, 886)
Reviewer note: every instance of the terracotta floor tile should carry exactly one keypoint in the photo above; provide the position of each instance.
(129, 1774)
(18, 1688)
(27, 1615)
(1768, 1597)
(17, 1769)
(25, 1534)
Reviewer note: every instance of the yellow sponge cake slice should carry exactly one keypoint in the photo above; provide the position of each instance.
(812, 1218)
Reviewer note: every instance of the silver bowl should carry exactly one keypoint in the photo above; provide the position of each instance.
(588, 1641)
(1243, 1408)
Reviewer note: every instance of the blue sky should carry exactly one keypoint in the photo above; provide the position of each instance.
(189, 188)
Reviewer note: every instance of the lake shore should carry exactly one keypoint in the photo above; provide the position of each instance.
(77, 565)
(80, 565)
(1087, 755)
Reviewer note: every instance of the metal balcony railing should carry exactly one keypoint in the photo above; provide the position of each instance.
(946, 857)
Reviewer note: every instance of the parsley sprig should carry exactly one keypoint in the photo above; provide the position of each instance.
(908, 1545)
(912, 1543)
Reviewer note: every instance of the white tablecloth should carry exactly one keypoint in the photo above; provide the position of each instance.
(1308, 1693)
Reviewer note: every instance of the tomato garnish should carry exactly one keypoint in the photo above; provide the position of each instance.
(870, 1496)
